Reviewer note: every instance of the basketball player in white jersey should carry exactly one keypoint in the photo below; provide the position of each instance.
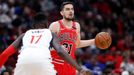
(34, 57)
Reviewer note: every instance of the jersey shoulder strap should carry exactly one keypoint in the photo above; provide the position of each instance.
(61, 24)
(74, 25)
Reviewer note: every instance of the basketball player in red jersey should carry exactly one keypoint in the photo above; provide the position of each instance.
(69, 33)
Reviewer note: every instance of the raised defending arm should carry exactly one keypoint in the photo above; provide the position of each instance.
(10, 50)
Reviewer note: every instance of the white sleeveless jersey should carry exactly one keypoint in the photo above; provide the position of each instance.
(39, 38)
(35, 46)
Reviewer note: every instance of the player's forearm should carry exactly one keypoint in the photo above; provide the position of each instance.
(85, 43)
(64, 55)
(17, 42)
(5, 54)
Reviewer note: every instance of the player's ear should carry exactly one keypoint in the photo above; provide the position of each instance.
(61, 12)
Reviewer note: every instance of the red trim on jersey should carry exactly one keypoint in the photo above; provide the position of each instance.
(7, 52)
(61, 24)
(74, 25)
(58, 61)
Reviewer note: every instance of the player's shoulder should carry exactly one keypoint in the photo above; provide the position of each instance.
(54, 26)
(77, 24)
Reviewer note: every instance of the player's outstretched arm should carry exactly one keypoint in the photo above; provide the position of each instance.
(82, 43)
(85, 43)
(10, 50)
(16, 44)
(62, 53)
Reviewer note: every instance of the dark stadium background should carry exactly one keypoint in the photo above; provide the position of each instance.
(113, 16)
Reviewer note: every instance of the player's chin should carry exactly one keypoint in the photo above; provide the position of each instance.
(71, 18)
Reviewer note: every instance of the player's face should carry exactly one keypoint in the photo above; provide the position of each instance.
(68, 12)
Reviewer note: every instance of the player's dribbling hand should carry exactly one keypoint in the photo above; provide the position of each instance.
(85, 72)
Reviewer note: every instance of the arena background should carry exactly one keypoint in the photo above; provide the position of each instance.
(113, 16)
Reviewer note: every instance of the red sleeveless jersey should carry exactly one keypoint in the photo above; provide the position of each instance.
(68, 37)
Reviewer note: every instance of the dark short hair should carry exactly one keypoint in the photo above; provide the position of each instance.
(40, 20)
(65, 3)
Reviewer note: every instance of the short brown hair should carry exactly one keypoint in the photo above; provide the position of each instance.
(65, 3)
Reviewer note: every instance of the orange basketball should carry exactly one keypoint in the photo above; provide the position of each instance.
(103, 40)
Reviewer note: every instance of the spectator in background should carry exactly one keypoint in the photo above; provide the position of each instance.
(94, 65)
(128, 63)
(3, 36)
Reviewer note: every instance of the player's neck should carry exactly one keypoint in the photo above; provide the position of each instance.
(67, 22)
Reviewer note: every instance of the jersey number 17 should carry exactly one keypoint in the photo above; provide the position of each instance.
(35, 39)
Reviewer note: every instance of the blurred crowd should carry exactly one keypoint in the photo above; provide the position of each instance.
(113, 16)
